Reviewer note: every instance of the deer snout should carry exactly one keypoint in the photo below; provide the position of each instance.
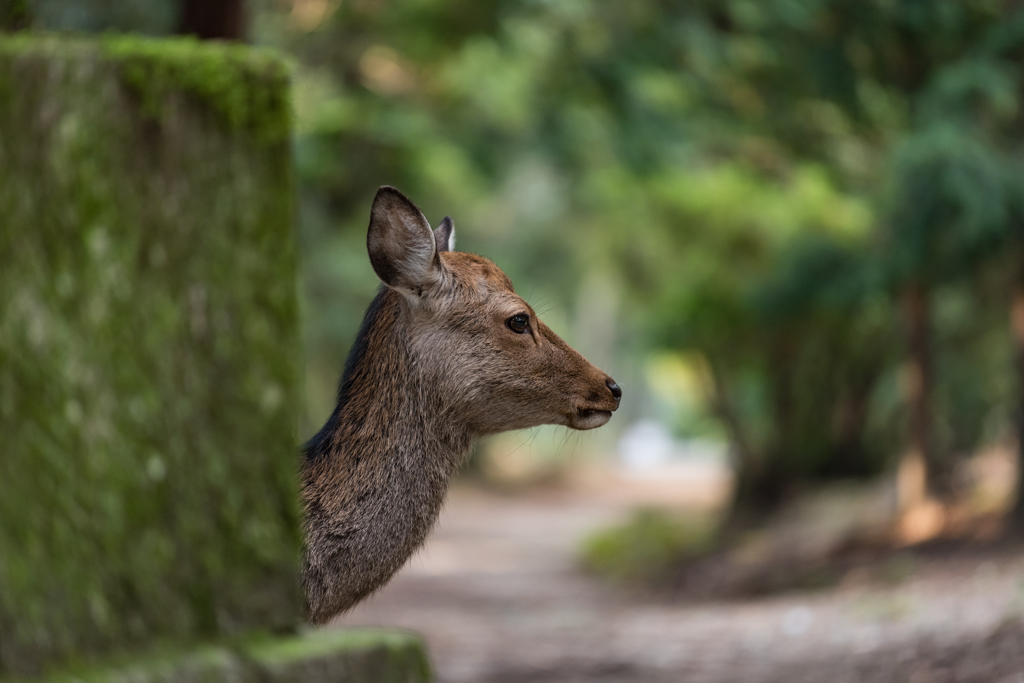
(598, 409)
(616, 391)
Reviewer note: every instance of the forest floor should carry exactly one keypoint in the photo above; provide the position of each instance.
(499, 596)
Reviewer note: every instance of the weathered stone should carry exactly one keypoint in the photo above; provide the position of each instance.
(148, 346)
(350, 656)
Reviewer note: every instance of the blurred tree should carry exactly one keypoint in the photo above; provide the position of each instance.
(795, 346)
(1017, 328)
(775, 175)
(968, 155)
(224, 19)
(15, 15)
(844, 83)
(952, 197)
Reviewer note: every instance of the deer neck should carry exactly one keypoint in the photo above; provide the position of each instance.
(375, 477)
(388, 434)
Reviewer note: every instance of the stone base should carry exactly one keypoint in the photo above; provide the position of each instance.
(325, 656)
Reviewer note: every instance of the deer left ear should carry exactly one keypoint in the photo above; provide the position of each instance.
(401, 244)
(444, 235)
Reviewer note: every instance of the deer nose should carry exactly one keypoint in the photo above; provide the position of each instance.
(614, 388)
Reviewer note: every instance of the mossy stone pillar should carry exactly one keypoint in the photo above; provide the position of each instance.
(148, 348)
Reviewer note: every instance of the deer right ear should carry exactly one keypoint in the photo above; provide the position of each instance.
(444, 235)
(401, 244)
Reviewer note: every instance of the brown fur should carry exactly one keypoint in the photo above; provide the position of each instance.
(434, 367)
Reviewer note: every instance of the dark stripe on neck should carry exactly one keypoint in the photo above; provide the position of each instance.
(320, 443)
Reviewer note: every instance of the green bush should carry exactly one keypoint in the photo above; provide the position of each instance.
(647, 547)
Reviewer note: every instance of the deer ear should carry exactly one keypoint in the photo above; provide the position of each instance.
(444, 235)
(401, 243)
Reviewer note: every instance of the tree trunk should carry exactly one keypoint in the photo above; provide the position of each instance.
(759, 491)
(15, 15)
(1016, 521)
(920, 381)
(213, 19)
(746, 464)
(757, 485)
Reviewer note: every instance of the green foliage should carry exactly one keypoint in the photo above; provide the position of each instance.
(778, 291)
(148, 338)
(953, 198)
(15, 15)
(750, 184)
(647, 547)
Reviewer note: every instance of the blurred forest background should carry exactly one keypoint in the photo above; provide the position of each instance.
(792, 227)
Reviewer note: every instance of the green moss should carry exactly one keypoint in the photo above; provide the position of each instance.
(247, 88)
(353, 655)
(371, 655)
(327, 641)
(244, 86)
(205, 663)
(148, 336)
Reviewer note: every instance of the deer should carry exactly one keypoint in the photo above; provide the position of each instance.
(447, 353)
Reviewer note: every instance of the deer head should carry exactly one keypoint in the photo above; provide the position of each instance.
(474, 337)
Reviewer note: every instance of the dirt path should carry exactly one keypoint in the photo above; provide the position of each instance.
(497, 595)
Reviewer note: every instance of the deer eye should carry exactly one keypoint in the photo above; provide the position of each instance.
(518, 323)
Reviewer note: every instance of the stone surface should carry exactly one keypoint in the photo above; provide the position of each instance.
(349, 656)
(149, 348)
